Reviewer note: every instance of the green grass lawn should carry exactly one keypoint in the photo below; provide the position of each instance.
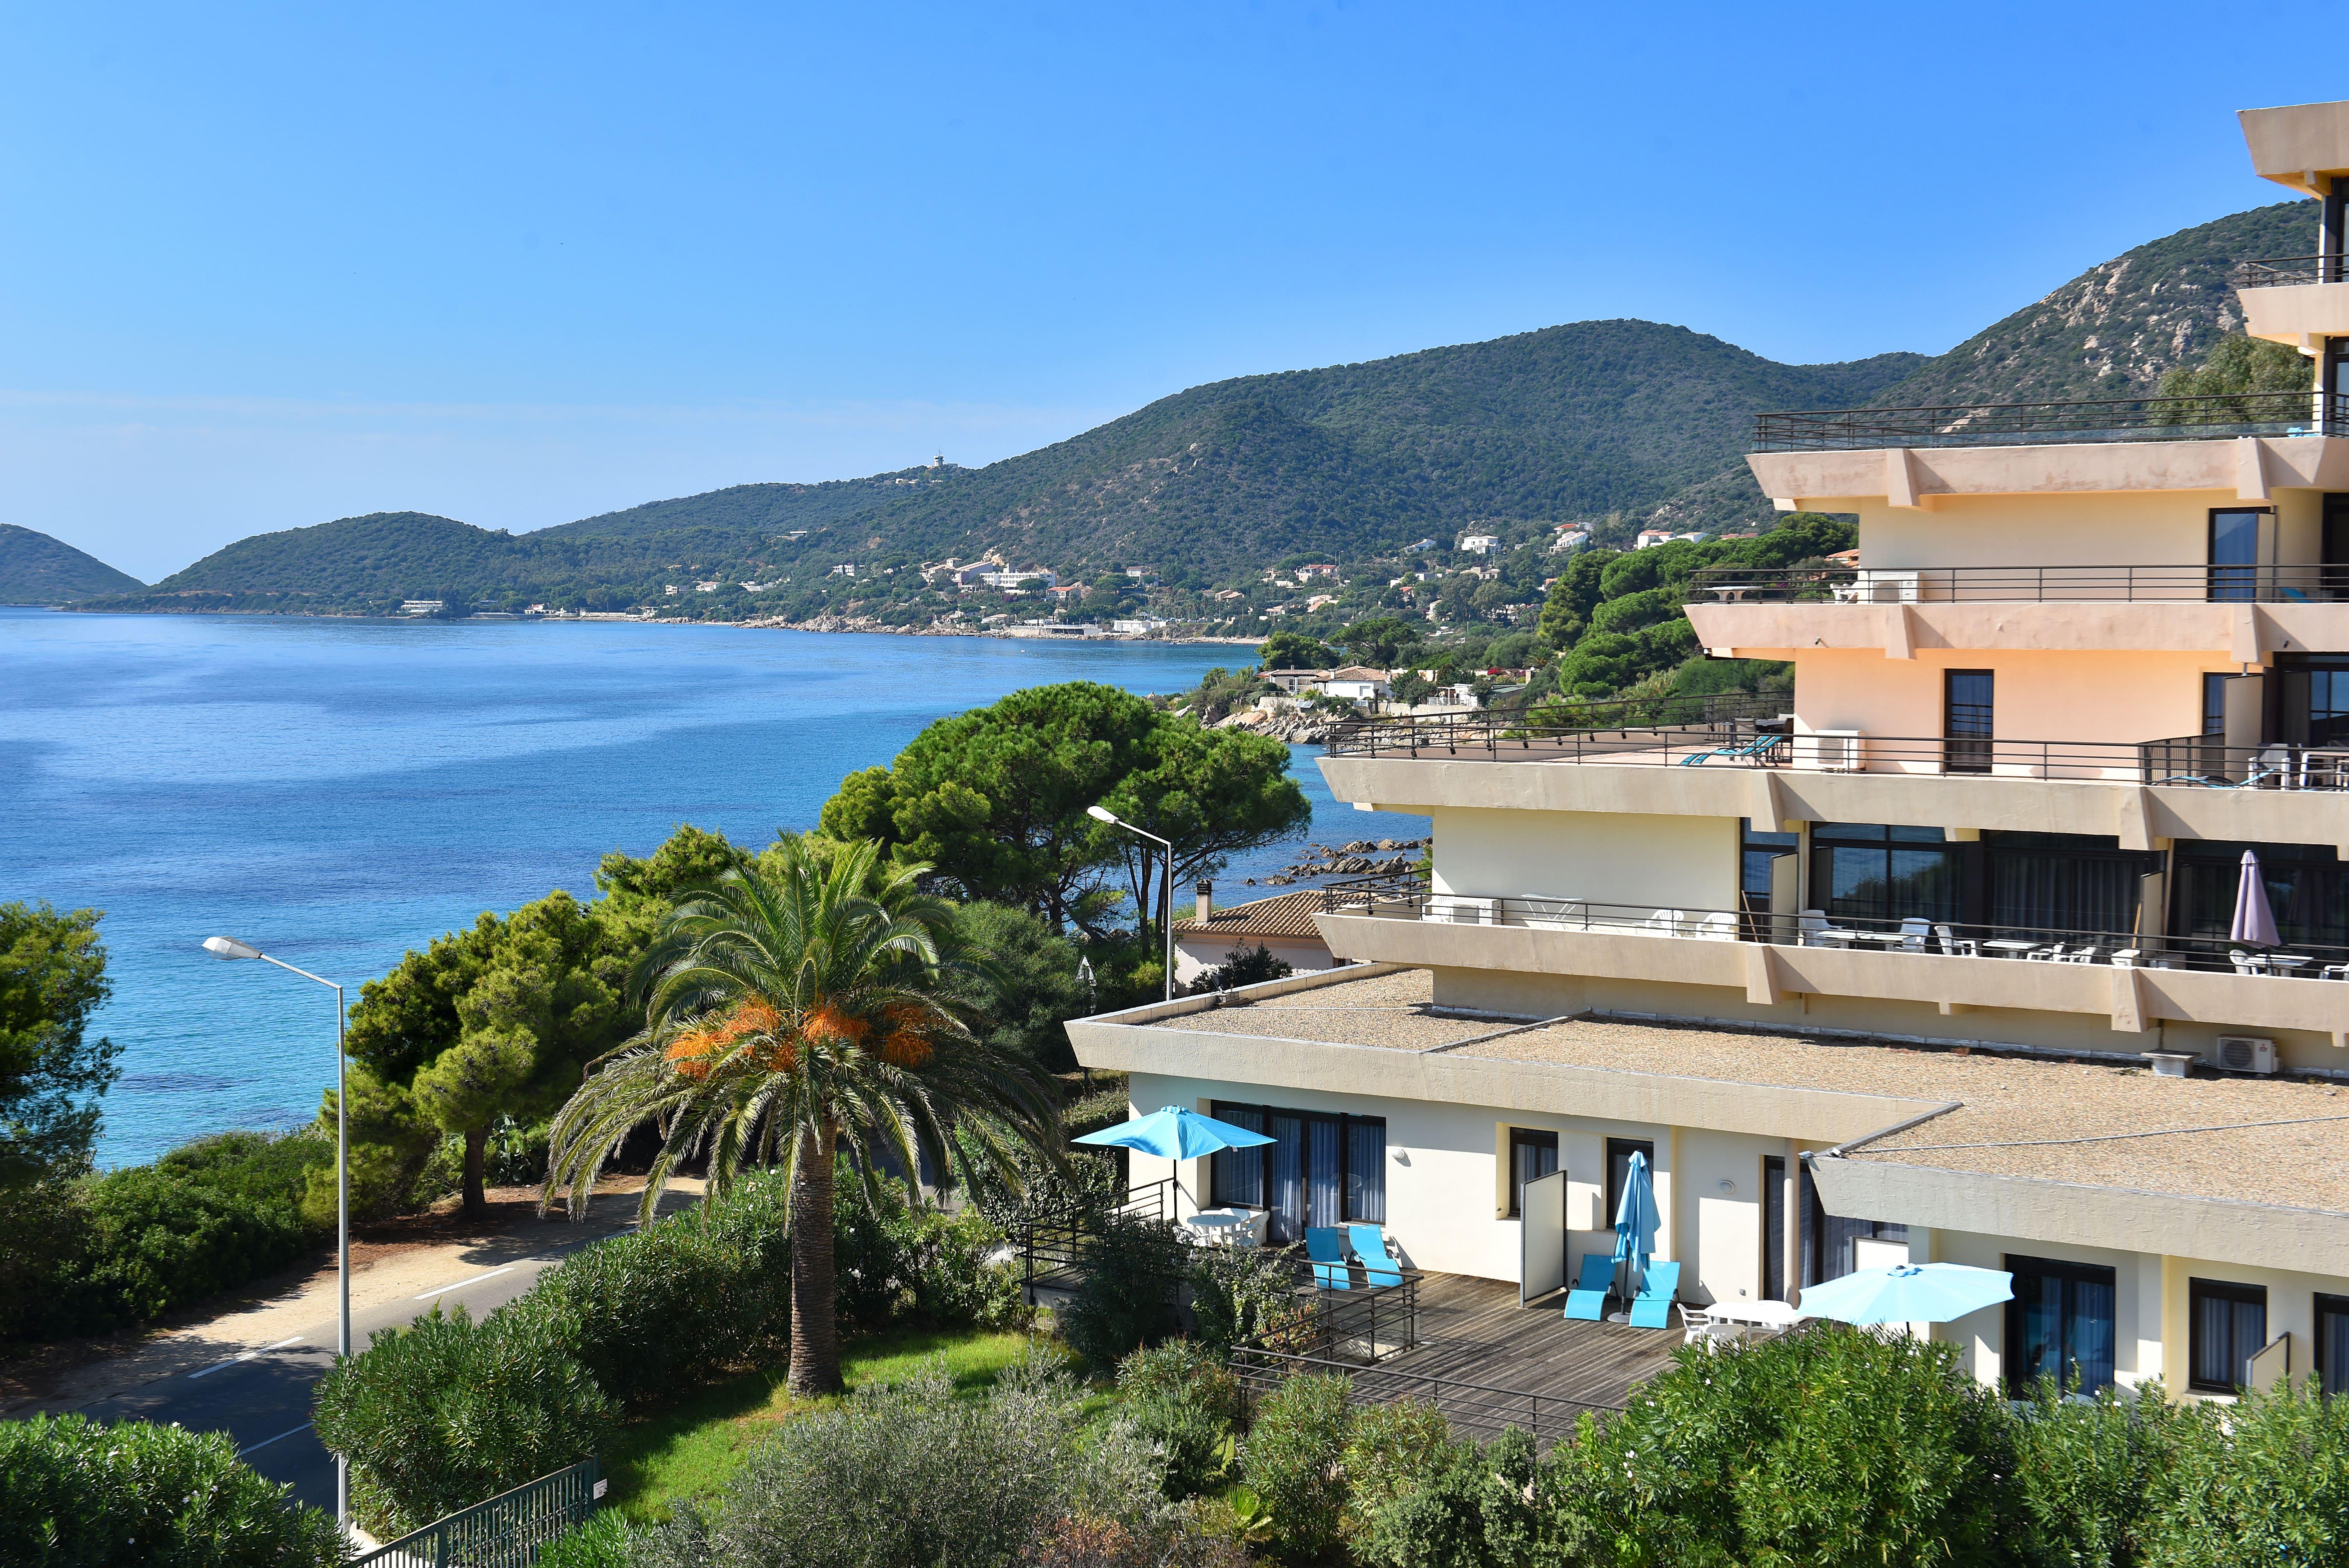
(691, 1449)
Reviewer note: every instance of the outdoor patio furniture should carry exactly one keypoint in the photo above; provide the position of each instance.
(1757, 750)
(1325, 1247)
(1719, 926)
(2084, 954)
(2334, 972)
(1587, 1299)
(1653, 1307)
(1913, 932)
(2246, 963)
(1665, 921)
(1957, 946)
(2010, 947)
(1379, 1263)
(1817, 932)
(2051, 953)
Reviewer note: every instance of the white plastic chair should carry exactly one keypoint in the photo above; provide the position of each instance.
(1665, 921)
(1817, 932)
(1913, 932)
(1957, 946)
(1719, 926)
(2053, 954)
(2245, 962)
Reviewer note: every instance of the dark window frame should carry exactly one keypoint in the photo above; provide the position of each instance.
(1346, 1122)
(1966, 749)
(2198, 1291)
(1646, 1146)
(2070, 1273)
(2240, 583)
(1534, 1138)
(2331, 1379)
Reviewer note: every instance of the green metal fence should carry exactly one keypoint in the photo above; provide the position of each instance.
(506, 1531)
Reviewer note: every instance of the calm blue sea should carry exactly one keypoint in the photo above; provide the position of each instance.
(339, 792)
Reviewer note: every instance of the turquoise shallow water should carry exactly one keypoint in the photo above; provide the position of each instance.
(338, 792)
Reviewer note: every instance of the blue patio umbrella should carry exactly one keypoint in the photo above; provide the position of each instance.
(1909, 1292)
(1636, 1219)
(1173, 1133)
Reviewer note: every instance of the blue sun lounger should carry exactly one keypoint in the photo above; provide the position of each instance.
(1653, 1307)
(1379, 1265)
(1587, 1299)
(1327, 1249)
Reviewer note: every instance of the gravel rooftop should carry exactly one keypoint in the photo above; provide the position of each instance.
(2015, 1104)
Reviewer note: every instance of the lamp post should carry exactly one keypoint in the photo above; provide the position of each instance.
(226, 947)
(1102, 814)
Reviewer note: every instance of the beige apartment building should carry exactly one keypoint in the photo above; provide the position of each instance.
(1943, 958)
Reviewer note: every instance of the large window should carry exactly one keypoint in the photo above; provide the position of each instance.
(1866, 871)
(2313, 697)
(2059, 1326)
(1320, 1167)
(1618, 1171)
(2235, 551)
(2065, 881)
(1532, 1154)
(1830, 1242)
(2333, 1344)
(2228, 1325)
(2308, 890)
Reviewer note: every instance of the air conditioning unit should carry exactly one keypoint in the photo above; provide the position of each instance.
(2246, 1054)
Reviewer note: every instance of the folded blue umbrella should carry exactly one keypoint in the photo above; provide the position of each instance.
(1175, 1133)
(1909, 1292)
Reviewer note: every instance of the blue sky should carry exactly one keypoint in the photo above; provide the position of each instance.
(518, 264)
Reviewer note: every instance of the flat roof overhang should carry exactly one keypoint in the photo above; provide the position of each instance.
(2299, 314)
(2247, 468)
(2299, 146)
(2237, 633)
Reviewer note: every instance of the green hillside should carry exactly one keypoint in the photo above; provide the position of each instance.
(1614, 424)
(38, 570)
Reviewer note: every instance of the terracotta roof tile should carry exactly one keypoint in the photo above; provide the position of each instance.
(1284, 914)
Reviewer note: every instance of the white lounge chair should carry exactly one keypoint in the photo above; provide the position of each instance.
(1913, 932)
(1719, 926)
(1957, 946)
(1817, 932)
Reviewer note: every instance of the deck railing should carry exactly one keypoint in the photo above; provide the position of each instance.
(2071, 420)
(2271, 272)
(506, 1531)
(2191, 762)
(1051, 1247)
(1925, 935)
(2327, 583)
(1471, 1407)
(1497, 731)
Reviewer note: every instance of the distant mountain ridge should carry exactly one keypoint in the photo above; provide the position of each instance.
(1611, 422)
(38, 570)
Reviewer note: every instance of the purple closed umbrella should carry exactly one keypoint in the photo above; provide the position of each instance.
(2254, 920)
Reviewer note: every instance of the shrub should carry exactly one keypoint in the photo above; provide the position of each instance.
(909, 1474)
(606, 1541)
(2087, 1470)
(1179, 1540)
(1131, 1269)
(446, 1412)
(1465, 1508)
(252, 1165)
(1832, 1446)
(1181, 1398)
(1187, 1370)
(152, 1240)
(81, 1493)
(1293, 1463)
(2265, 1480)
(1392, 1449)
(675, 1303)
(1237, 1292)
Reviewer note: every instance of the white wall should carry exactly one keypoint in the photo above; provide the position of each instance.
(1655, 862)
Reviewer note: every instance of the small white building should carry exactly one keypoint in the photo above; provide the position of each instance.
(1569, 539)
(1651, 537)
(1283, 925)
(1480, 544)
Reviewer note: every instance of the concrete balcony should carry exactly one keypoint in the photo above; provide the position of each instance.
(1906, 469)
(1619, 945)
(2241, 632)
(2031, 787)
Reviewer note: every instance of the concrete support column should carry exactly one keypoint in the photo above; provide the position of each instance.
(1791, 1237)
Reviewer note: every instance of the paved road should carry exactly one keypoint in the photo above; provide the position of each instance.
(262, 1398)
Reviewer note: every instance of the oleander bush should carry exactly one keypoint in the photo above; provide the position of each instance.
(1132, 1268)
(76, 1494)
(1239, 1293)
(1181, 1396)
(2264, 1480)
(446, 1412)
(1293, 1465)
(1418, 1501)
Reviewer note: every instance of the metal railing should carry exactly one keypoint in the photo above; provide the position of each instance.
(506, 1531)
(1471, 1407)
(1051, 1247)
(2073, 420)
(1495, 729)
(2327, 583)
(2271, 271)
(1359, 1325)
(1911, 934)
(2185, 762)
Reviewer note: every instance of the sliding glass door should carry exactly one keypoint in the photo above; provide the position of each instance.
(1320, 1168)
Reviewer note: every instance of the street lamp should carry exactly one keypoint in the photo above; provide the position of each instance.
(227, 947)
(1104, 814)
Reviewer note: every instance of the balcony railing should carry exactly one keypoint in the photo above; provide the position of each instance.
(1913, 934)
(2271, 272)
(2295, 584)
(2030, 423)
(2194, 761)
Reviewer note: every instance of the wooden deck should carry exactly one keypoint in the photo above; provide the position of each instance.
(1488, 1363)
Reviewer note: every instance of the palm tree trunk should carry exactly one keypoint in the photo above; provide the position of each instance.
(477, 1147)
(815, 1332)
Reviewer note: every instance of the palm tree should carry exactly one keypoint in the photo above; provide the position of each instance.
(804, 1007)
